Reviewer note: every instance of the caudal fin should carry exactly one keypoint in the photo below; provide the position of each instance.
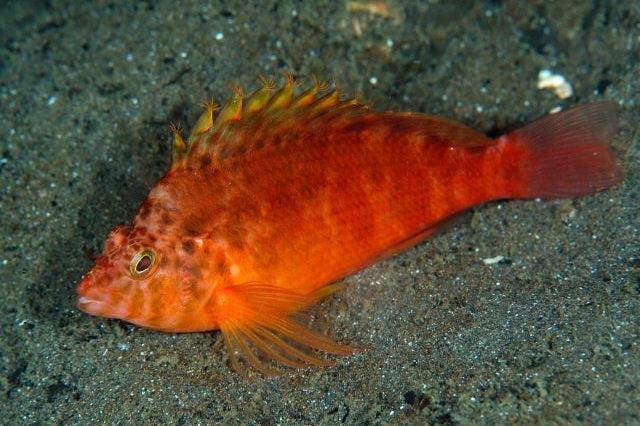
(568, 153)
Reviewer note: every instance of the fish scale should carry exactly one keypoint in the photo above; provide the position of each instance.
(270, 202)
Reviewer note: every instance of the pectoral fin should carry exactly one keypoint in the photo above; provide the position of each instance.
(262, 323)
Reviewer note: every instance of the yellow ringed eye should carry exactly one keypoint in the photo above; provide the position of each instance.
(143, 263)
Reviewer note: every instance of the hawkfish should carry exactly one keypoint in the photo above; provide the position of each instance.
(275, 197)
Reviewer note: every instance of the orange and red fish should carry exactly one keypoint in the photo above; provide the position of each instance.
(281, 195)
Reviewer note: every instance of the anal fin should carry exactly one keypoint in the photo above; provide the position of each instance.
(411, 241)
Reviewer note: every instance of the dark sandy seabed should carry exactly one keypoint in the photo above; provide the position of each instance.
(548, 335)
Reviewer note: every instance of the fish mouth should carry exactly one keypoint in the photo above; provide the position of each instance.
(95, 300)
(89, 305)
(85, 302)
(101, 307)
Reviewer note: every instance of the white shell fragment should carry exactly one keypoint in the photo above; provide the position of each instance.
(492, 260)
(557, 83)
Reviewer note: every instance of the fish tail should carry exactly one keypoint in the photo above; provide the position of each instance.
(566, 154)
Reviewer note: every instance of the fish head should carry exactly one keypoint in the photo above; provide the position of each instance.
(139, 279)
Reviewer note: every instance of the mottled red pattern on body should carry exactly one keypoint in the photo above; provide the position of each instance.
(279, 196)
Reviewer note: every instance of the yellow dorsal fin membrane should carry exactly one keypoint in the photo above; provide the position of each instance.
(258, 321)
(205, 122)
(265, 110)
(329, 100)
(283, 96)
(260, 97)
(307, 97)
(231, 111)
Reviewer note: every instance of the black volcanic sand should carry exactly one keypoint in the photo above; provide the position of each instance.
(548, 335)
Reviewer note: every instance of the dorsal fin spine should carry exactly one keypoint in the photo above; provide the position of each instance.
(257, 100)
(329, 100)
(204, 123)
(282, 98)
(307, 97)
(262, 105)
(231, 111)
(180, 147)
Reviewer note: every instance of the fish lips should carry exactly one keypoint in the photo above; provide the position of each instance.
(90, 299)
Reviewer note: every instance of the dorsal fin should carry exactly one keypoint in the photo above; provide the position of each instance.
(263, 110)
(180, 148)
(205, 122)
(307, 97)
(437, 130)
(231, 110)
(260, 97)
(283, 96)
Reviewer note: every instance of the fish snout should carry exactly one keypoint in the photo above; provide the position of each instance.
(88, 299)
(97, 299)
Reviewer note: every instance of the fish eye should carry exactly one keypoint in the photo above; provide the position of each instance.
(143, 263)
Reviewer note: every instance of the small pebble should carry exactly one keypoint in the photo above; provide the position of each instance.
(557, 83)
